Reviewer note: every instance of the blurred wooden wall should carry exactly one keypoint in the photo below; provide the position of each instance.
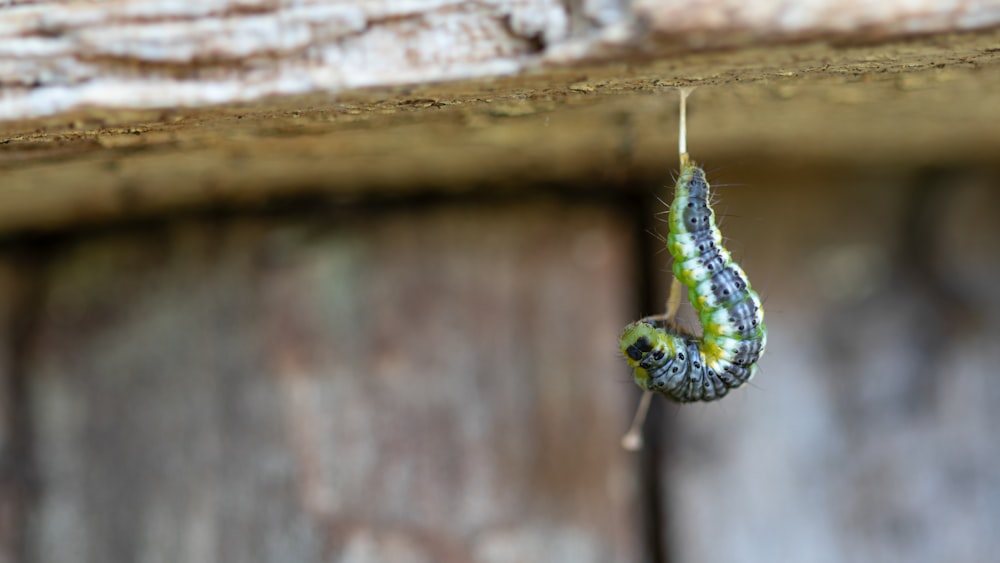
(437, 383)
(438, 380)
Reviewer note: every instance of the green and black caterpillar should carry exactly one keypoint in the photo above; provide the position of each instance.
(673, 361)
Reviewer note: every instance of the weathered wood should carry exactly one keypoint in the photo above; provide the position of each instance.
(12, 489)
(592, 133)
(59, 55)
(398, 386)
(259, 99)
(20, 294)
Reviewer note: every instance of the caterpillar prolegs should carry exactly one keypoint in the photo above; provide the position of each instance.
(673, 361)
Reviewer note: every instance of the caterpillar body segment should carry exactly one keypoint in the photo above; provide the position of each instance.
(675, 362)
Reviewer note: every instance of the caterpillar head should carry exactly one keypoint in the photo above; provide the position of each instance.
(650, 351)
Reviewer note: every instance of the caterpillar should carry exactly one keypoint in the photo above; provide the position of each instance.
(673, 361)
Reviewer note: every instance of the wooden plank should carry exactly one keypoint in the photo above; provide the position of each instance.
(20, 294)
(435, 385)
(129, 107)
(97, 171)
(11, 485)
(63, 55)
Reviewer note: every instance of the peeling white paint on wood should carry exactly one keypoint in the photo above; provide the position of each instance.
(57, 56)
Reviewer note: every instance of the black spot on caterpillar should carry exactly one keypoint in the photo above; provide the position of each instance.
(674, 361)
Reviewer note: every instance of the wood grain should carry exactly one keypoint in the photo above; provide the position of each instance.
(62, 55)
